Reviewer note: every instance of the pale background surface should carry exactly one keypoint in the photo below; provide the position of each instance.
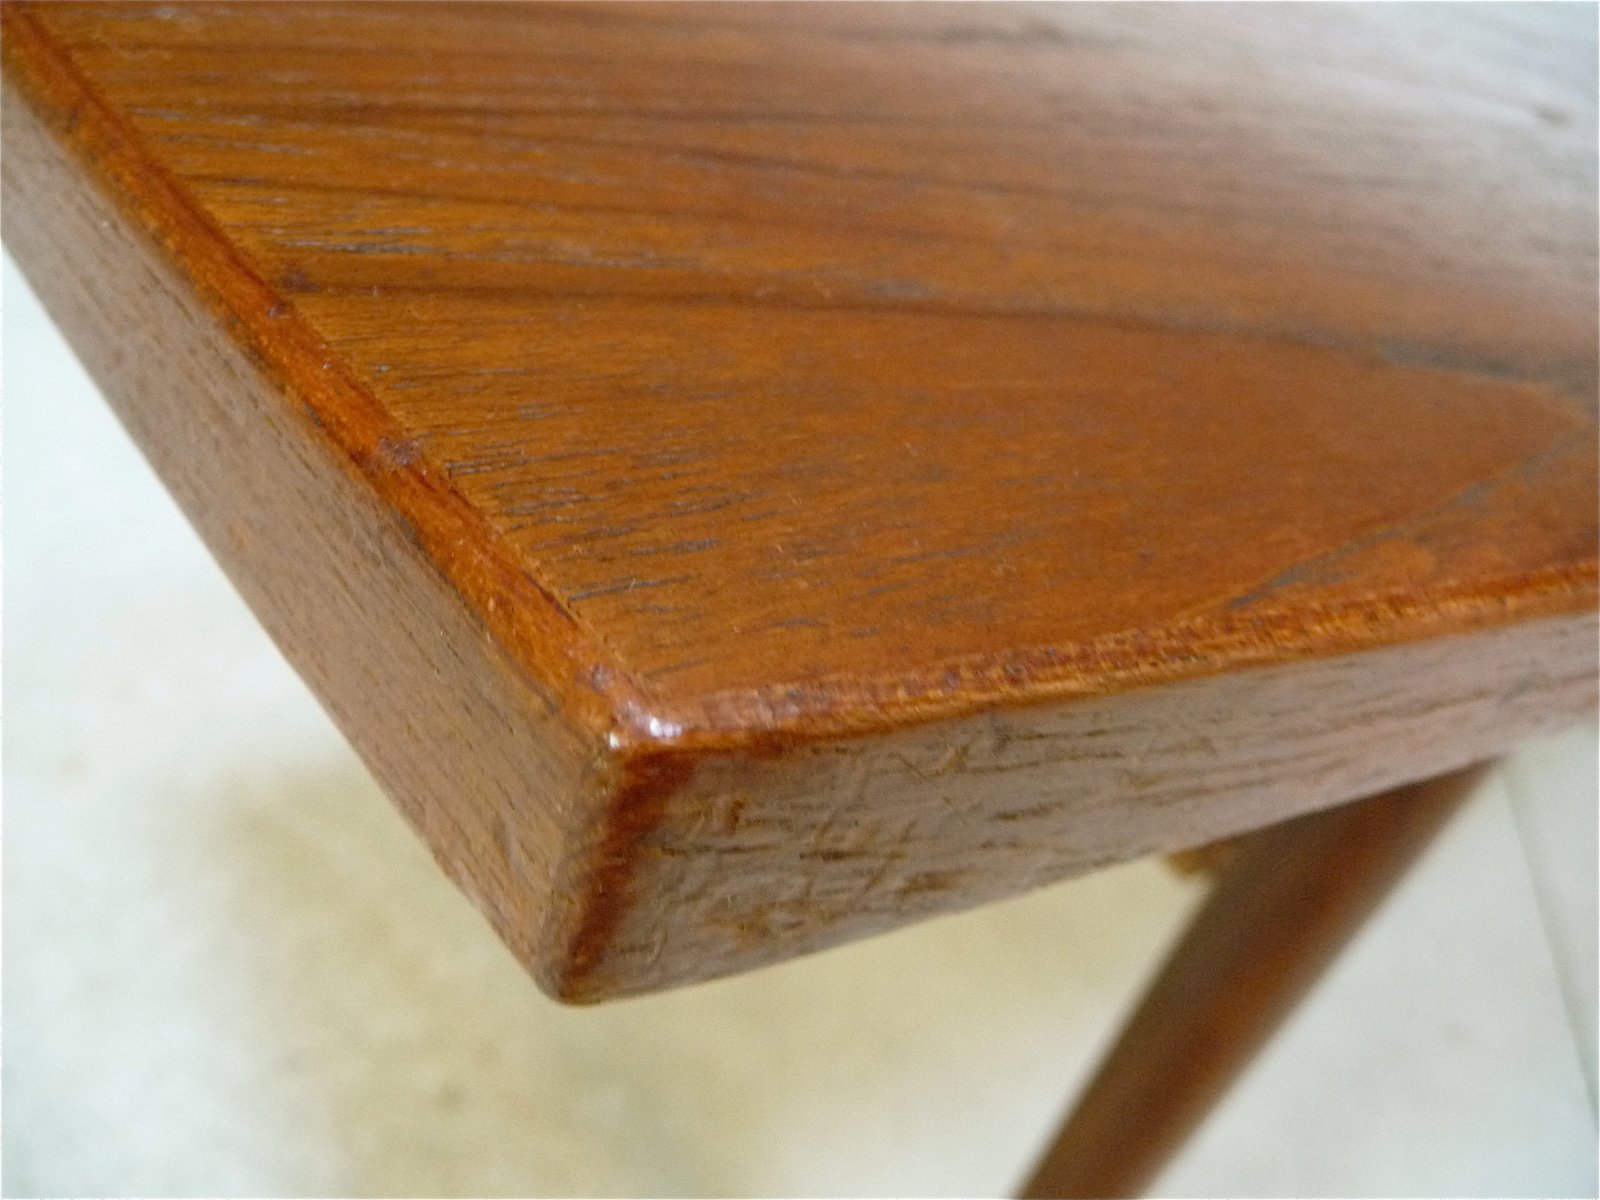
(231, 969)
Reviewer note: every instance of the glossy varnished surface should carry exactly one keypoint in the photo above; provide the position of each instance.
(761, 375)
(793, 345)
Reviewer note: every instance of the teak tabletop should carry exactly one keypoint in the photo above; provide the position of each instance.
(748, 477)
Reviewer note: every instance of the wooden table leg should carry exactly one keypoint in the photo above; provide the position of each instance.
(1279, 915)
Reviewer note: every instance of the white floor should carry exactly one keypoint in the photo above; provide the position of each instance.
(230, 969)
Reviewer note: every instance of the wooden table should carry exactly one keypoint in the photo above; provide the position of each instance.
(745, 478)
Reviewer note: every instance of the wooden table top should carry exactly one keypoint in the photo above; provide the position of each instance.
(745, 477)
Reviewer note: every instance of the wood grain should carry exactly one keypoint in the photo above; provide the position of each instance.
(695, 451)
